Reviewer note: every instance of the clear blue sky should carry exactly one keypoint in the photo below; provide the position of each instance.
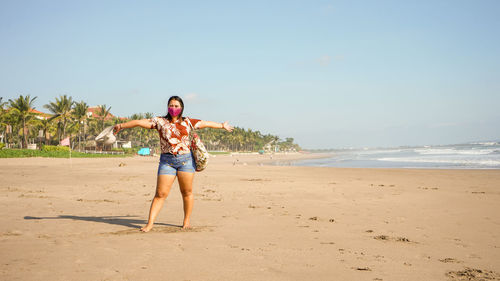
(327, 73)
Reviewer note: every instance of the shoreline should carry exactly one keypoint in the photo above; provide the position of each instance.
(290, 162)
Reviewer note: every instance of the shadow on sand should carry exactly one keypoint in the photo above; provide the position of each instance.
(116, 220)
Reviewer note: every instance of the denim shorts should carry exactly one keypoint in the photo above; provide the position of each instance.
(170, 164)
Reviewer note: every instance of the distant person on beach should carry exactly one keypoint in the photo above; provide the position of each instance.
(176, 159)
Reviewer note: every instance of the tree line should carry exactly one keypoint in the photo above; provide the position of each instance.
(21, 124)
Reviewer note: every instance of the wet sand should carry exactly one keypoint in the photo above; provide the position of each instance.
(79, 219)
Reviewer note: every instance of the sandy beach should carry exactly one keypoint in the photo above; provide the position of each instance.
(79, 219)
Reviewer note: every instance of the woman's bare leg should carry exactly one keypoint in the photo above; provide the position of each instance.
(186, 187)
(163, 185)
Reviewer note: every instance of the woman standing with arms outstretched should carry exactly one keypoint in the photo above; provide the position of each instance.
(176, 159)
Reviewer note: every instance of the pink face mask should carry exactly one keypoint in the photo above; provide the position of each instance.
(174, 111)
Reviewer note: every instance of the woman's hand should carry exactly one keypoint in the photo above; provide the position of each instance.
(215, 125)
(117, 128)
(227, 127)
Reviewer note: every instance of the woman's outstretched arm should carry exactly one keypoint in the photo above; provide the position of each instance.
(216, 125)
(144, 123)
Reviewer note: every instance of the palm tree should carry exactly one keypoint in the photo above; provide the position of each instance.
(80, 114)
(23, 106)
(2, 117)
(12, 123)
(45, 125)
(136, 133)
(92, 127)
(150, 135)
(61, 109)
(102, 112)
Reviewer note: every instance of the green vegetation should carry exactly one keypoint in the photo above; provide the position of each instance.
(21, 111)
(244, 141)
(63, 152)
(220, 152)
(55, 148)
(21, 153)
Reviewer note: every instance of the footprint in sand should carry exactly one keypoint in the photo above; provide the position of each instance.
(98, 201)
(36, 191)
(34, 196)
(389, 238)
(13, 189)
(115, 191)
(428, 188)
(381, 237)
(473, 256)
(11, 233)
(366, 268)
(472, 274)
(450, 260)
(382, 185)
(209, 195)
(256, 179)
(463, 245)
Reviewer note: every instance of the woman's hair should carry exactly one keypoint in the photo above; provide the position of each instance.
(177, 98)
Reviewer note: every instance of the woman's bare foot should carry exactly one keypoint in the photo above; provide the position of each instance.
(186, 225)
(146, 228)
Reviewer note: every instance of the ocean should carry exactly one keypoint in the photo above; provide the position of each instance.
(475, 155)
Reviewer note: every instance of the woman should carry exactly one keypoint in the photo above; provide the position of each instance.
(176, 159)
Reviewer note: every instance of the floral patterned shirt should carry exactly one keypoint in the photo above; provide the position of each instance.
(174, 137)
